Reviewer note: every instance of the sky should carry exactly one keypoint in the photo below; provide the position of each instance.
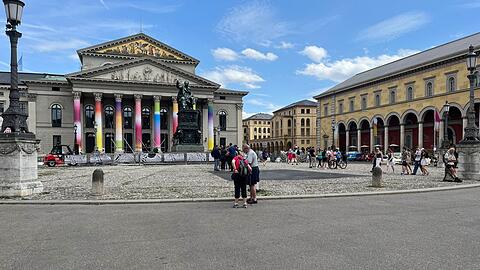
(281, 51)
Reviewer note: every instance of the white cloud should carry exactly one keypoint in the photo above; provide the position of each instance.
(316, 54)
(256, 55)
(394, 27)
(245, 114)
(342, 69)
(53, 45)
(225, 54)
(5, 64)
(234, 74)
(285, 45)
(265, 105)
(103, 4)
(253, 21)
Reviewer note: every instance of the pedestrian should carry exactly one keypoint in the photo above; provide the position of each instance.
(450, 170)
(265, 156)
(231, 153)
(311, 157)
(241, 170)
(390, 162)
(404, 161)
(289, 156)
(424, 162)
(295, 153)
(216, 154)
(377, 158)
(325, 156)
(223, 158)
(254, 177)
(418, 158)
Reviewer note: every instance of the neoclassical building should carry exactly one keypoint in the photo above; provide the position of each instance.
(124, 99)
(257, 127)
(396, 103)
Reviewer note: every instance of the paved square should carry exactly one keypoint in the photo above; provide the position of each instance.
(292, 175)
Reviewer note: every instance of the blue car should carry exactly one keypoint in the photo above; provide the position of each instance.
(353, 155)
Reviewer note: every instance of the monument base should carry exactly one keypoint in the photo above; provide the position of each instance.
(184, 148)
(468, 161)
(18, 166)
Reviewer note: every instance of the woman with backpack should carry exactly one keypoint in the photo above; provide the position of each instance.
(241, 171)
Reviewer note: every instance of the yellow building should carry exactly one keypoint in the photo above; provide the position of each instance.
(395, 104)
(292, 125)
(257, 127)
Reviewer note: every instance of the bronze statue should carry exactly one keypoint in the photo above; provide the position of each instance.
(184, 97)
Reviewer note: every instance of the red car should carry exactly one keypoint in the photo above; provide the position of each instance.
(57, 155)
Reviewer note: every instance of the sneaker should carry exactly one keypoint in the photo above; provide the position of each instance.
(245, 206)
(253, 202)
(235, 205)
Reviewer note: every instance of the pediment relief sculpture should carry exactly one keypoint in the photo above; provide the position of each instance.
(144, 74)
(140, 47)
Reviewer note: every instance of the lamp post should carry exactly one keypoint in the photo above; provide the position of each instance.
(333, 134)
(14, 119)
(471, 130)
(75, 144)
(445, 142)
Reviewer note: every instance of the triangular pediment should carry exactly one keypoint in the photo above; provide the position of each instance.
(143, 70)
(138, 46)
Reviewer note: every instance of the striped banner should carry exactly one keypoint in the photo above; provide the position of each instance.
(210, 127)
(156, 123)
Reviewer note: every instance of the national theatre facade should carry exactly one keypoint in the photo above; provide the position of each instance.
(124, 100)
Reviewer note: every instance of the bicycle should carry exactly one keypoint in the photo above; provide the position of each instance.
(337, 163)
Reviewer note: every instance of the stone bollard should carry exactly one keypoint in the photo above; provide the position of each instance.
(97, 182)
(377, 177)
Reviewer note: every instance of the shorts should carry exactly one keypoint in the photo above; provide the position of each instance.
(404, 163)
(254, 177)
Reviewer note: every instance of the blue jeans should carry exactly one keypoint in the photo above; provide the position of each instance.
(415, 168)
(216, 164)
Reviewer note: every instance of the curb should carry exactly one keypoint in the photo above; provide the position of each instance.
(287, 197)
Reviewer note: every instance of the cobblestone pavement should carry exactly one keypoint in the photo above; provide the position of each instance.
(200, 181)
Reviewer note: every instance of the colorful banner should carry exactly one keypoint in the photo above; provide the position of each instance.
(156, 124)
(118, 125)
(175, 116)
(138, 125)
(98, 125)
(77, 115)
(210, 127)
(438, 119)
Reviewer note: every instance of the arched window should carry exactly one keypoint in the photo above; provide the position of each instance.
(409, 93)
(254, 130)
(393, 97)
(56, 115)
(451, 85)
(145, 118)
(127, 118)
(308, 122)
(268, 130)
(163, 118)
(289, 123)
(222, 120)
(377, 100)
(89, 116)
(302, 122)
(429, 89)
(109, 116)
(264, 130)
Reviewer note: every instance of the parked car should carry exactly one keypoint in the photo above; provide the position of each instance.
(56, 157)
(353, 155)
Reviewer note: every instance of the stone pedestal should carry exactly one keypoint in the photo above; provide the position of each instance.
(18, 166)
(377, 177)
(468, 161)
(188, 135)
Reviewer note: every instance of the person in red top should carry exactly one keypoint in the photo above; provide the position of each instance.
(239, 177)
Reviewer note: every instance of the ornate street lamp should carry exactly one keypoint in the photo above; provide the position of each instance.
(471, 130)
(446, 143)
(333, 134)
(75, 144)
(14, 119)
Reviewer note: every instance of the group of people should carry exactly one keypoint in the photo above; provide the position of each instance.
(245, 171)
(223, 157)
(420, 160)
(323, 157)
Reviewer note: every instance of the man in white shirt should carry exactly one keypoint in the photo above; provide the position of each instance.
(254, 177)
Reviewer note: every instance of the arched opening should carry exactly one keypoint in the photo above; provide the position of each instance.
(289, 145)
(455, 123)
(56, 111)
(109, 116)
(146, 118)
(353, 138)
(89, 116)
(379, 133)
(411, 130)
(365, 137)
(277, 147)
(393, 123)
(429, 134)
(342, 137)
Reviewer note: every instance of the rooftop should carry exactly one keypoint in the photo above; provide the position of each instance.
(260, 116)
(305, 103)
(448, 50)
(27, 76)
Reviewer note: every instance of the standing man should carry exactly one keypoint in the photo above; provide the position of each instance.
(231, 153)
(216, 154)
(254, 177)
(311, 156)
(418, 158)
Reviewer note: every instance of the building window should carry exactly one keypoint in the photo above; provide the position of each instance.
(89, 116)
(56, 112)
(302, 122)
(163, 119)
(255, 137)
(302, 111)
(2, 107)
(109, 116)
(364, 103)
(429, 89)
(393, 96)
(145, 118)
(352, 105)
(451, 84)
(409, 93)
(268, 130)
(24, 107)
(127, 118)
(254, 122)
(222, 120)
(308, 111)
(377, 100)
(340, 107)
(56, 89)
(302, 141)
(289, 123)
(325, 110)
(57, 140)
(264, 130)
(302, 132)
(222, 97)
(308, 123)
(308, 141)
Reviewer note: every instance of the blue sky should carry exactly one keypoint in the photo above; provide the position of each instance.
(281, 51)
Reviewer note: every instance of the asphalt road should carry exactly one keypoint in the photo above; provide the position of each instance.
(418, 231)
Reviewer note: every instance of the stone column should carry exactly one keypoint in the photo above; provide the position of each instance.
(441, 133)
(138, 123)
(77, 120)
(372, 140)
(420, 134)
(239, 124)
(359, 140)
(385, 140)
(464, 125)
(174, 114)
(32, 112)
(98, 122)
(118, 124)
(402, 136)
(347, 140)
(211, 135)
(157, 139)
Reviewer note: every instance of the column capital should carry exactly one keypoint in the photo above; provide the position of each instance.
(210, 100)
(98, 96)
(138, 96)
(118, 97)
(77, 95)
(239, 106)
(157, 98)
(174, 99)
